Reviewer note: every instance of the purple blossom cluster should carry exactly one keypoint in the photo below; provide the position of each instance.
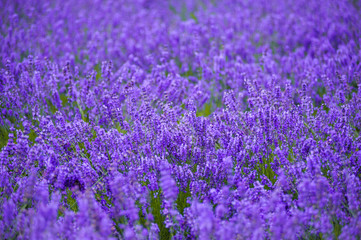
(152, 119)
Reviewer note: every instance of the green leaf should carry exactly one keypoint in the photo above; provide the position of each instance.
(207, 110)
(182, 200)
(159, 218)
(73, 205)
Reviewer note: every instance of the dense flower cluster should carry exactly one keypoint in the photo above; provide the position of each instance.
(148, 119)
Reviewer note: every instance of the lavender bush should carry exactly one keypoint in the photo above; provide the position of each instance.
(153, 119)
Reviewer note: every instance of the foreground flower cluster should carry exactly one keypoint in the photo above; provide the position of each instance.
(148, 119)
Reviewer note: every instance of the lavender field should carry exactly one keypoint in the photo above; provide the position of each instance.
(170, 119)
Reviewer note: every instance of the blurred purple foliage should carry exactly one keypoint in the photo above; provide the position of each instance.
(150, 119)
